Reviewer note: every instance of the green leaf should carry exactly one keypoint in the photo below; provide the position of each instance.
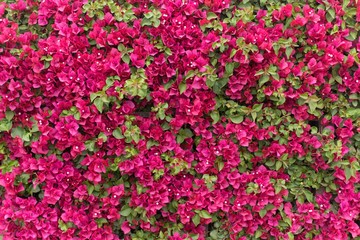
(276, 48)
(125, 211)
(156, 22)
(204, 214)
(237, 119)
(291, 236)
(257, 107)
(180, 139)
(353, 112)
(90, 145)
(211, 15)
(26, 137)
(5, 125)
(103, 136)
(348, 173)
(229, 68)
(258, 234)
(63, 227)
(117, 133)
(278, 165)
(17, 132)
(93, 96)
(309, 196)
(90, 189)
(288, 52)
(221, 165)
(260, 72)
(264, 79)
(187, 133)
(196, 219)
(9, 115)
(182, 87)
(99, 104)
(262, 213)
(214, 234)
(146, 22)
(352, 36)
(148, 15)
(253, 115)
(330, 15)
(215, 116)
(101, 221)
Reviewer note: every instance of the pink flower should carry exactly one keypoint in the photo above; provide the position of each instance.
(125, 227)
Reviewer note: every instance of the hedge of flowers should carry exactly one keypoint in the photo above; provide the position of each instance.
(179, 119)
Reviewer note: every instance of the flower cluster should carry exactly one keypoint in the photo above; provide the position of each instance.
(179, 119)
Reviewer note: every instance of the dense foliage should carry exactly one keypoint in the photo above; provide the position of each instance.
(179, 119)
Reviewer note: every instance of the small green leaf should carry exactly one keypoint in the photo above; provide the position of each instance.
(117, 133)
(262, 213)
(26, 137)
(148, 15)
(309, 196)
(103, 136)
(125, 211)
(352, 36)
(204, 214)
(348, 173)
(353, 112)
(288, 52)
(264, 79)
(99, 104)
(257, 107)
(182, 87)
(17, 132)
(330, 15)
(156, 22)
(180, 139)
(93, 96)
(196, 219)
(101, 221)
(312, 106)
(258, 234)
(9, 115)
(260, 72)
(291, 236)
(63, 227)
(221, 165)
(278, 165)
(5, 125)
(90, 145)
(215, 116)
(214, 234)
(90, 189)
(229, 68)
(237, 119)
(211, 15)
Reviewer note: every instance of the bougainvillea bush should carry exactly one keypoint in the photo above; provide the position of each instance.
(179, 119)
